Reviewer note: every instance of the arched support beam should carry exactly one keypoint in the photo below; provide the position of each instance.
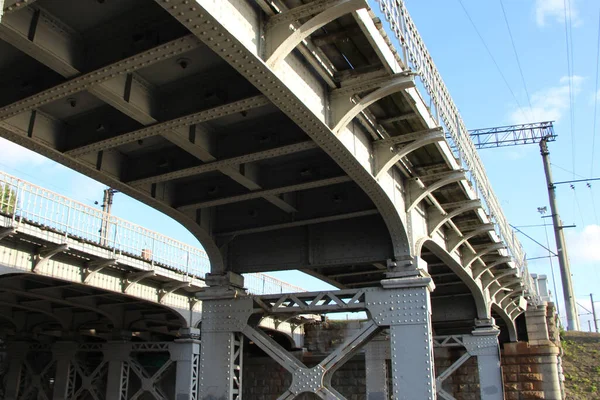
(486, 250)
(506, 286)
(423, 192)
(516, 311)
(488, 267)
(388, 152)
(509, 295)
(482, 305)
(344, 109)
(510, 322)
(497, 278)
(436, 223)
(456, 242)
(48, 313)
(282, 39)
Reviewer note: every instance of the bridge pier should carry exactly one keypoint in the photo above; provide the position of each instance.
(63, 353)
(377, 352)
(485, 347)
(409, 318)
(17, 353)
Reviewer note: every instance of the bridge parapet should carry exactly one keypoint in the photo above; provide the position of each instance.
(415, 56)
(28, 208)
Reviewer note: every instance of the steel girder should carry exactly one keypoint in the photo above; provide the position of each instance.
(402, 305)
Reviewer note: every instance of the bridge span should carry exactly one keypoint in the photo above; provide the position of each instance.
(284, 134)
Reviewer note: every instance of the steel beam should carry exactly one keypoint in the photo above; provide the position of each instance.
(344, 108)
(281, 40)
(89, 80)
(216, 165)
(387, 153)
(310, 221)
(436, 223)
(171, 125)
(266, 192)
(458, 241)
(420, 194)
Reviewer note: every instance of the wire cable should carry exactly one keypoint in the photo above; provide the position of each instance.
(512, 41)
(568, 171)
(492, 57)
(578, 205)
(552, 271)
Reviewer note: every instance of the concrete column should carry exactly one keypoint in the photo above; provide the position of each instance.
(537, 326)
(483, 344)
(377, 351)
(117, 354)
(63, 352)
(408, 312)
(186, 354)
(16, 352)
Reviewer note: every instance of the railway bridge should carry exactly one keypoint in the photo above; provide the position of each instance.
(285, 135)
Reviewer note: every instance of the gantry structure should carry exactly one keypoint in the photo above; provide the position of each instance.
(285, 135)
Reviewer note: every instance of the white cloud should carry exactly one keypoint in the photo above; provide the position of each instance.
(555, 10)
(13, 155)
(549, 104)
(584, 245)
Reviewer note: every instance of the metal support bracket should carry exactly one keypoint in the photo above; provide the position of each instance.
(488, 267)
(46, 254)
(282, 38)
(96, 266)
(457, 241)
(419, 194)
(135, 277)
(345, 108)
(437, 222)
(493, 247)
(170, 288)
(6, 231)
(389, 151)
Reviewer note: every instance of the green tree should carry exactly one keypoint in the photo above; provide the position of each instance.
(8, 199)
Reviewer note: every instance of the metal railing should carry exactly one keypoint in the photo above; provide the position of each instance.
(416, 57)
(24, 202)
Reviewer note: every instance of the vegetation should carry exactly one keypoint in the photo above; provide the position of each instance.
(581, 365)
(8, 199)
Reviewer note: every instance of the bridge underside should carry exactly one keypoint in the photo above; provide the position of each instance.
(284, 134)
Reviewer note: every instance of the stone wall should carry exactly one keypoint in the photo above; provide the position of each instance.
(264, 379)
(532, 370)
(463, 383)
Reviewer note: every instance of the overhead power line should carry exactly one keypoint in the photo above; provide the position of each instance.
(512, 41)
(492, 57)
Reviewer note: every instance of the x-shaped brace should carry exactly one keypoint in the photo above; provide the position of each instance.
(317, 379)
(149, 382)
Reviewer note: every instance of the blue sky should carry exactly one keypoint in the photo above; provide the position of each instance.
(484, 100)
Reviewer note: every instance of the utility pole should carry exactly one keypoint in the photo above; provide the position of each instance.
(542, 132)
(107, 202)
(563, 259)
(594, 313)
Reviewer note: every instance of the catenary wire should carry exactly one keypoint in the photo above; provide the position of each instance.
(491, 56)
(512, 41)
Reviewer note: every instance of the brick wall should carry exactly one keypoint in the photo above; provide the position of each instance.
(463, 383)
(264, 379)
